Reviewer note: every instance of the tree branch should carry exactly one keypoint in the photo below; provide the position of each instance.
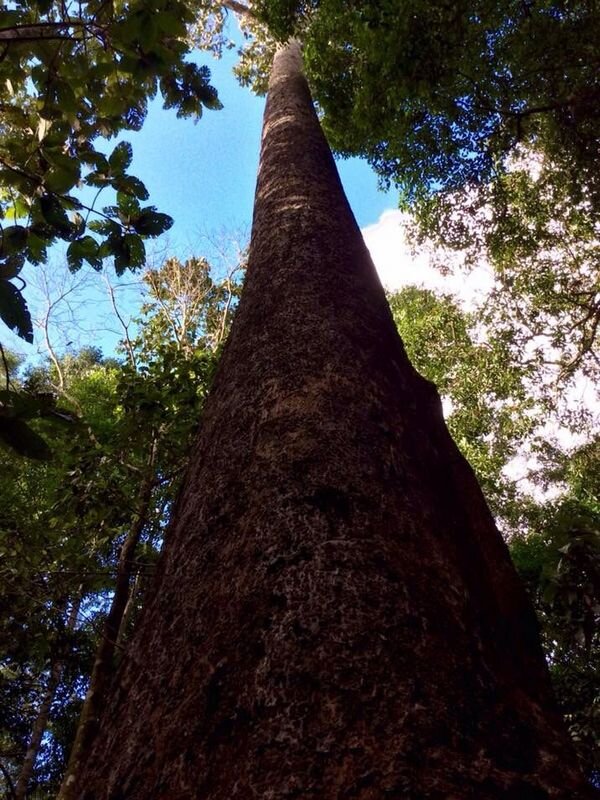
(6, 368)
(49, 30)
(238, 8)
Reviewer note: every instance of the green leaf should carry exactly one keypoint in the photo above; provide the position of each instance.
(120, 158)
(55, 215)
(20, 437)
(13, 239)
(84, 249)
(64, 173)
(128, 207)
(78, 224)
(18, 209)
(36, 248)
(152, 223)
(94, 159)
(14, 311)
(98, 178)
(129, 184)
(171, 23)
(106, 227)
(130, 254)
(128, 251)
(12, 266)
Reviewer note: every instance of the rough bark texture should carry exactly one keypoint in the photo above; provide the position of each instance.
(335, 614)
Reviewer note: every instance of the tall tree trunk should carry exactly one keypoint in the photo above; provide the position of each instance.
(335, 614)
(43, 714)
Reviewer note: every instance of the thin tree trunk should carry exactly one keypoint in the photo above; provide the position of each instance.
(335, 614)
(102, 671)
(128, 611)
(41, 720)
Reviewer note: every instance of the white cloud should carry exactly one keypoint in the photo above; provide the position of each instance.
(398, 266)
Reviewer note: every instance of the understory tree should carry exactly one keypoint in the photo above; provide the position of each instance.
(559, 561)
(80, 532)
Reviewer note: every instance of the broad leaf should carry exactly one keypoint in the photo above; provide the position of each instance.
(12, 266)
(20, 437)
(129, 184)
(84, 249)
(13, 239)
(55, 215)
(152, 223)
(14, 312)
(120, 158)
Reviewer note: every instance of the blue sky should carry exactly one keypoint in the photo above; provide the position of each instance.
(201, 173)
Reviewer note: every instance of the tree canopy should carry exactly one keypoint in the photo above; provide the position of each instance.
(484, 115)
(71, 76)
(436, 95)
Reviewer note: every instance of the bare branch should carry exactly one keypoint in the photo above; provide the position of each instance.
(124, 325)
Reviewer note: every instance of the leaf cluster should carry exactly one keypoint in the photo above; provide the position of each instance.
(559, 560)
(436, 94)
(68, 76)
(63, 521)
(540, 236)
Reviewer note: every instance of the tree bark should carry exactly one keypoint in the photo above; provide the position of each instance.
(335, 614)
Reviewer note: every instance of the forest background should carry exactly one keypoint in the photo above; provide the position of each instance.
(95, 441)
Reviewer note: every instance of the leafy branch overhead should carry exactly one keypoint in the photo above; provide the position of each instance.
(69, 76)
(485, 115)
(436, 94)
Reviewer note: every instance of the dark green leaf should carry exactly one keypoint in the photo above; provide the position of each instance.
(36, 248)
(13, 240)
(12, 266)
(20, 437)
(64, 173)
(120, 158)
(106, 227)
(152, 223)
(98, 178)
(84, 249)
(55, 215)
(128, 184)
(130, 253)
(128, 207)
(14, 311)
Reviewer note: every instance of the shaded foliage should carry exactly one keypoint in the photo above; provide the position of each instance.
(489, 408)
(65, 521)
(485, 116)
(436, 94)
(559, 561)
